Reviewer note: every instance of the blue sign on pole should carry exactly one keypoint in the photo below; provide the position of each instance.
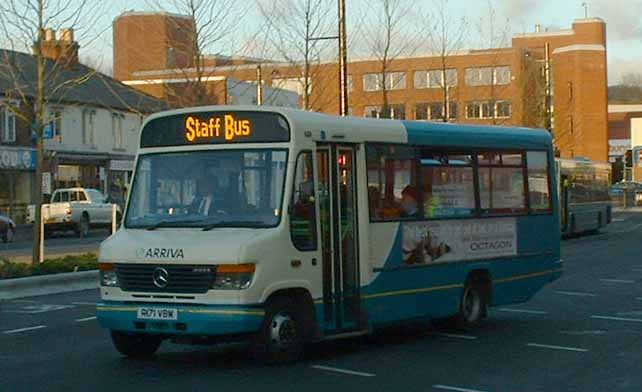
(47, 132)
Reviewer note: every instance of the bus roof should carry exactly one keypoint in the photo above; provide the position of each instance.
(325, 127)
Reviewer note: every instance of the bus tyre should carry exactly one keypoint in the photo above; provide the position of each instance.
(280, 339)
(135, 345)
(472, 307)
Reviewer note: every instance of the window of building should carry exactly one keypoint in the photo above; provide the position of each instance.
(487, 76)
(435, 111)
(448, 184)
(55, 121)
(502, 109)
(303, 217)
(435, 78)
(488, 109)
(395, 111)
(502, 75)
(350, 84)
(539, 193)
(371, 82)
(393, 81)
(7, 124)
(117, 129)
(501, 183)
(392, 173)
(473, 110)
(88, 127)
(479, 76)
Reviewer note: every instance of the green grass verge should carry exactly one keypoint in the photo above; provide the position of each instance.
(85, 262)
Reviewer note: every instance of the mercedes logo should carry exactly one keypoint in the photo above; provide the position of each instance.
(161, 277)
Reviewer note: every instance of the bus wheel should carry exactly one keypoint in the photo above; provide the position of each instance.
(135, 345)
(472, 307)
(280, 339)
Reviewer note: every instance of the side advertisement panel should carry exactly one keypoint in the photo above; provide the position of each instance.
(458, 240)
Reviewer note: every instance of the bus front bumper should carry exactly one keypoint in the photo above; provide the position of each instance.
(200, 320)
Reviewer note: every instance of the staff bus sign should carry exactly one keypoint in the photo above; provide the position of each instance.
(215, 128)
(226, 126)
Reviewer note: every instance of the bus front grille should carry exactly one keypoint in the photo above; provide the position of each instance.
(155, 278)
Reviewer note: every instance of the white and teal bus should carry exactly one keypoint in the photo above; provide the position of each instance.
(284, 227)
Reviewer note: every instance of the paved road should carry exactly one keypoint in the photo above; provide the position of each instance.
(582, 333)
(58, 245)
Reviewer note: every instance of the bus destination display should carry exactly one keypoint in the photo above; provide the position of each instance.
(215, 128)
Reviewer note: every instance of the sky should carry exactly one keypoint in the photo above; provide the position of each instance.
(624, 25)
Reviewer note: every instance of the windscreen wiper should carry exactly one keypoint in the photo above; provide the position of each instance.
(169, 223)
(238, 223)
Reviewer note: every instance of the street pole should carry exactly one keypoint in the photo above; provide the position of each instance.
(547, 87)
(37, 253)
(343, 60)
(259, 85)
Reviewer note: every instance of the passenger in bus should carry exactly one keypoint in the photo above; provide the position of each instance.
(409, 202)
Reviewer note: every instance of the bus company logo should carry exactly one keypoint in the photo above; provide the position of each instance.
(160, 253)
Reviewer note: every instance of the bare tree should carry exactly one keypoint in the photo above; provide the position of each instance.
(446, 37)
(494, 35)
(208, 25)
(388, 37)
(299, 31)
(23, 24)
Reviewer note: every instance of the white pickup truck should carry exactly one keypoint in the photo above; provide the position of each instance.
(75, 209)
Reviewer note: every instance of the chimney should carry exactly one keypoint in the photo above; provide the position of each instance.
(63, 50)
(538, 28)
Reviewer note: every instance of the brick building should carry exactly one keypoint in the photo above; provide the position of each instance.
(502, 86)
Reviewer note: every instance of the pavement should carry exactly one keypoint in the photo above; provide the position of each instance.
(581, 333)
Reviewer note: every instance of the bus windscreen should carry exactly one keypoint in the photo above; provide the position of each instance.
(215, 128)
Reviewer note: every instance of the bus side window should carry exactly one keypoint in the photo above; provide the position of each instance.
(303, 205)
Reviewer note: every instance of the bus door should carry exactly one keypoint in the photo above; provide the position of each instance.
(336, 172)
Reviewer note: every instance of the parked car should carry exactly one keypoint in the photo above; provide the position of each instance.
(76, 209)
(617, 191)
(7, 228)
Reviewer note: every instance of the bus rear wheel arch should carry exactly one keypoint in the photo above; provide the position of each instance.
(288, 324)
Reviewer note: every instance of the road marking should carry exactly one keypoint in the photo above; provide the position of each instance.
(616, 318)
(80, 320)
(523, 311)
(26, 301)
(344, 371)
(85, 303)
(636, 269)
(24, 329)
(33, 309)
(617, 280)
(575, 293)
(454, 335)
(564, 348)
(580, 333)
(617, 220)
(458, 389)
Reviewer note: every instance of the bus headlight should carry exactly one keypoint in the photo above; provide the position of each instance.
(108, 275)
(233, 276)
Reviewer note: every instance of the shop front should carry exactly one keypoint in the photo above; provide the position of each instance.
(17, 181)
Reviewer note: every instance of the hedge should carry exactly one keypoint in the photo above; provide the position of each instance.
(85, 262)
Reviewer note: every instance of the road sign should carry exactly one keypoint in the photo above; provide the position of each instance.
(46, 183)
(48, 131)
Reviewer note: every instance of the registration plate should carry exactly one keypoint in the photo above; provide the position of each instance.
(157, 313)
